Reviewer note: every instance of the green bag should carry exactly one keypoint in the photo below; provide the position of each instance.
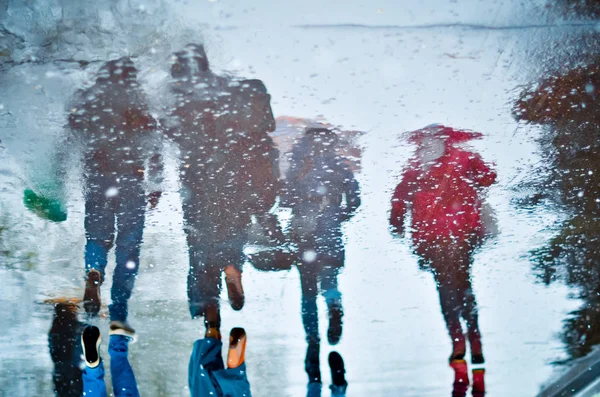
(45, 208)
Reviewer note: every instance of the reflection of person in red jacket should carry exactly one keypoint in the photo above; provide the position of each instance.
(442, 185)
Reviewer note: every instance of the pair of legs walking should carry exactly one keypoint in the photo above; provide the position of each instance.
(451, 269)
(208, 259)
(113, 209)
(311, 275)
(323, 273)
(123, 378)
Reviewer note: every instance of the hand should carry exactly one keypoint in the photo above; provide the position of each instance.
(153, 199)
(396, 230)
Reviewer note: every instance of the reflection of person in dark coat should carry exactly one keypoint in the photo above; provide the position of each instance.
(65, 349)
(119, 140)
(442, 186)
(323, 193)
(227, 165)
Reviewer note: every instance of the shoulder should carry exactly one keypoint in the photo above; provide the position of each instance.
(254, 85)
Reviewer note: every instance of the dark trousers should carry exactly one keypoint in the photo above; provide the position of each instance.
(311, 275)
(456, 301)
(451, 269)
(209, 254)
(64, 340)
(110, 212)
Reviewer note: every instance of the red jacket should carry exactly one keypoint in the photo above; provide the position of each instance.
(445, 200)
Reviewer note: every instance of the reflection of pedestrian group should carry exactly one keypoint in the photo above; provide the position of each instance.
(229, 174)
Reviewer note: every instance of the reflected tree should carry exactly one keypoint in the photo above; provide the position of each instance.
(565, 103)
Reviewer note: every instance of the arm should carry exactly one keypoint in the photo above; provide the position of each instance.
(483, 174)
(401, 198)
(352, 193)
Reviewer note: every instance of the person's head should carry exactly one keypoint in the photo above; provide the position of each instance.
(322, 139)
(120, 71)
(190, 62)
(434, 139)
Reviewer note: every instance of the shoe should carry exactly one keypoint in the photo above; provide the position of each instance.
(91, 296)
(235, 292)
(336, 364)
(122, 328)
(90, 342)
(312, 364)
(461, 378)
(478, 382)
(334, 332)
(237, 348)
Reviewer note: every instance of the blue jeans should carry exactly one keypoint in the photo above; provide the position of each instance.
(123, 379)
(310, 276)
(207, 375)
(124, 215)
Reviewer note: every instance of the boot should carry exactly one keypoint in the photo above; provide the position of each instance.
(91, 296)
(312, 363)
(235, 291)
(334, 332)
(478, 382)
(338, 379)
(90, 342)
(212, 321)
(237, 348)
(461, 378)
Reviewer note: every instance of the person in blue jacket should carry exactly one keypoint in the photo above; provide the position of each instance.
(323, 193)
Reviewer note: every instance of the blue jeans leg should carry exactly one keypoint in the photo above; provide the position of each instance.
(329, 286)
(130, 228)
(93, 381)
(123, 378)
(99, 227)
(310, 317)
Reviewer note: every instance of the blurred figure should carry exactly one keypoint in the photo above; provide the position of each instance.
(322, 193)
(207, 374)
(566, 105)
(228, 172)
(121, 373)
(65, 349)
(112, 124)
(442, 187)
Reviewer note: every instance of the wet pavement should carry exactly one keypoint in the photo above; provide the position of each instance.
(383, 81)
